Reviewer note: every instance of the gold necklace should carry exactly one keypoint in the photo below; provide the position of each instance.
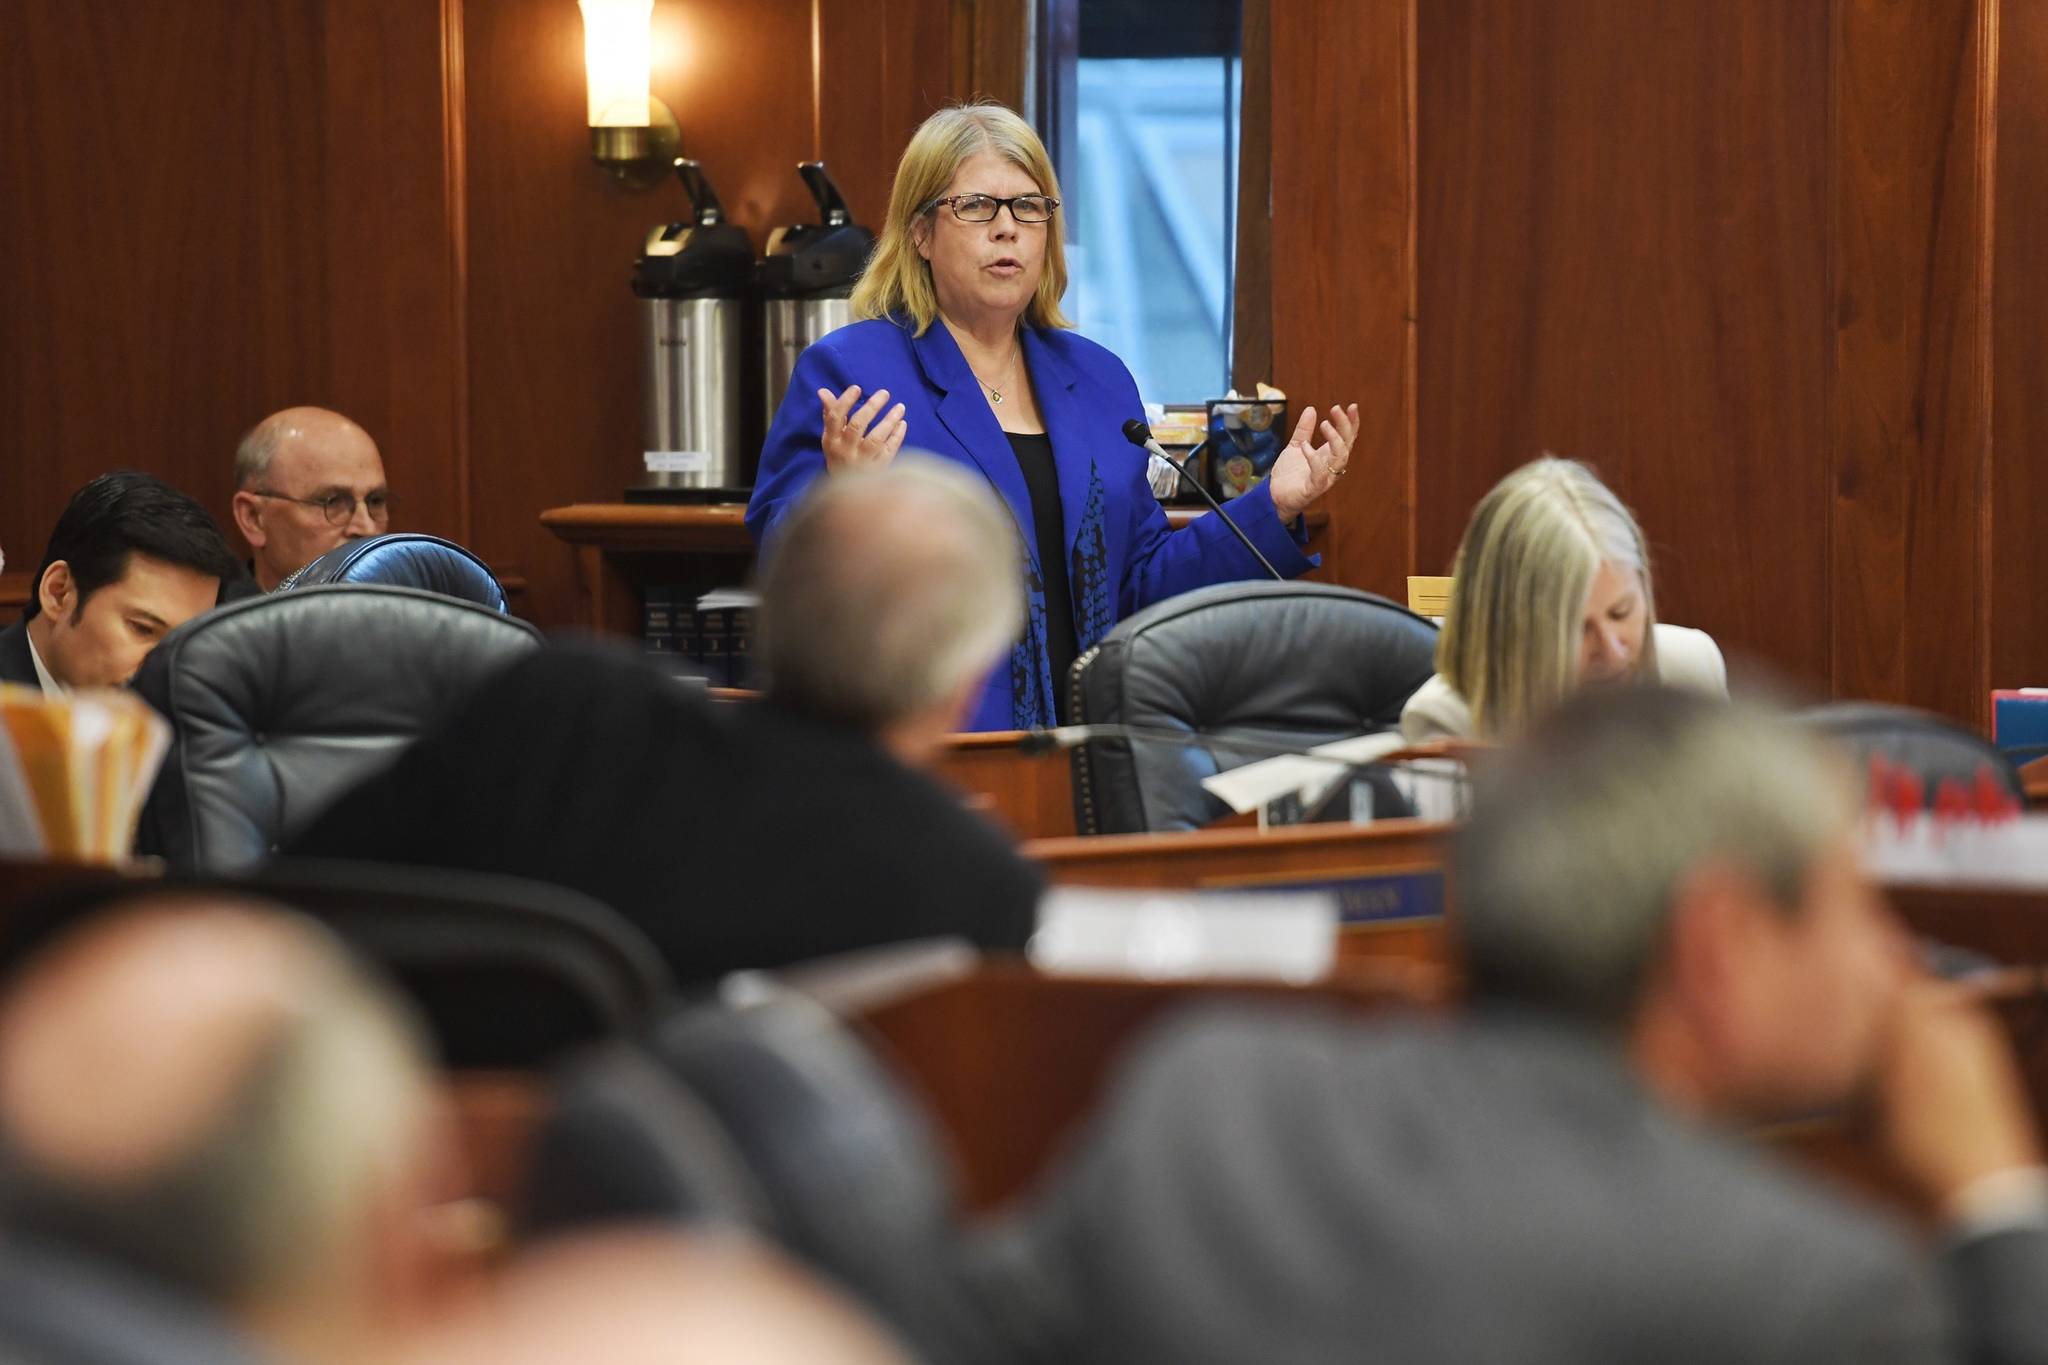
(995, 395)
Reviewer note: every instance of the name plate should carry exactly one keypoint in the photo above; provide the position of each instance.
(1386, 896)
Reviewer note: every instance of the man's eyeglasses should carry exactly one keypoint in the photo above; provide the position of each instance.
(982, 208)
(339, 507)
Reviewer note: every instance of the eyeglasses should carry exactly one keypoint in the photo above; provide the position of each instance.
(340, 507)
(982, 208)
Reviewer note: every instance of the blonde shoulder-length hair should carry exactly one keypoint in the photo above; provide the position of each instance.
(898, 281)
(1510, 642)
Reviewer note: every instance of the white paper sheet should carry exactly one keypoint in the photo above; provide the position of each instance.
(1256, 785)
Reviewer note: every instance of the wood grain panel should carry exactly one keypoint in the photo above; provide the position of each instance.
(161, 242)
(886, 67)
(1342, 246)
(394, 240)
(2019, 412)
(1910, 280)
(1623, 258)
(1000, 49)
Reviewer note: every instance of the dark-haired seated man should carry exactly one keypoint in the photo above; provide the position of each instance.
(130, 558)
(1668, 936)
(750, 835)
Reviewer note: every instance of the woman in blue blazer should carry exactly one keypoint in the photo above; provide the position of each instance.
(973, 244)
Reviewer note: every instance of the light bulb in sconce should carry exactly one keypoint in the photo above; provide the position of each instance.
(632, 134)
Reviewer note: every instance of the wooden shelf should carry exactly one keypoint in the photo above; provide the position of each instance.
(617, 544)
(704, 528)
(710, 528)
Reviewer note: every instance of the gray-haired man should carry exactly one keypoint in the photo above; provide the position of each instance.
(1666, 932)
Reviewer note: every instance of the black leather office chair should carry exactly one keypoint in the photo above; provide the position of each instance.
(404, 559)
(835, 1160)
(280, 702)
(622, 1142)
(504, 972)
(1925, 744)
(1228, 675)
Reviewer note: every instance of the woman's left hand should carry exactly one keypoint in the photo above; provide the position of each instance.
(1303, 472)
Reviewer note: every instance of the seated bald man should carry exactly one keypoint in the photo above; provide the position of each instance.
(131, 557)
(306, 480)
(209, 1096)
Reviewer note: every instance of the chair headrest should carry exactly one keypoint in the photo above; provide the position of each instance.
(1930, 746)
(404, 559)
(277, 703)
(1243, 670)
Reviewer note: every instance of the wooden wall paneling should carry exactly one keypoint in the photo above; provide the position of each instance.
(1913, 86)
(1622, 257)
(395, 241)
(999, 49)
(885, 68)
(2019, 449)
(554, 364)
(1342, 247)
(161, 257)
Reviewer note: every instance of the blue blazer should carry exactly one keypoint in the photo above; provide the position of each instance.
(1122, 553)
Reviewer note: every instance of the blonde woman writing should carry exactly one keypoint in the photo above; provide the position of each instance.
(1551, 592)
(962, 353)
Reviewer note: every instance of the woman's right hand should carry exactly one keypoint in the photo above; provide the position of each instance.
(849, 442)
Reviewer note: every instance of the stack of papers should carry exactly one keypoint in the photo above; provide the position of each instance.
(1435, 787)
(74, 772)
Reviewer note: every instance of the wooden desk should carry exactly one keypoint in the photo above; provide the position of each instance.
(1388, 876)
(2034, 781)
(622, 547)
(1026, 789)
(1010, 1061)
(2006, 924)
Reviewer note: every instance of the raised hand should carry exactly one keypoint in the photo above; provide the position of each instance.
(1950, 1097)
(1303, 472)
(853, 438)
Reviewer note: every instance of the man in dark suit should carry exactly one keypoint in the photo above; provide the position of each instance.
(130, 558)
(1667, 935)
(749, 834)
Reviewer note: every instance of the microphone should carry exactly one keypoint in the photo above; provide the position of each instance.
(1140, 435)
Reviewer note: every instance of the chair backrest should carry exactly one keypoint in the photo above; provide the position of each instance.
(1242, 670)
(404, 559)
(1930, 747)
(840, 1165)
(279, 703)
(505, 972)
(622, 1142)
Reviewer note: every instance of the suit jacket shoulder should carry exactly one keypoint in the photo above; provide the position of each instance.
(16, 664)
(1278, 1186)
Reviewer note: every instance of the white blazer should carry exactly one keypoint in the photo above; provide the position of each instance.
(1686, 658)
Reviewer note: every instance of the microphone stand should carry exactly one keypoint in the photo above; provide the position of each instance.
(1140, 435)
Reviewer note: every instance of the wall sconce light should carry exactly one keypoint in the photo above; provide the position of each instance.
(632, 134)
